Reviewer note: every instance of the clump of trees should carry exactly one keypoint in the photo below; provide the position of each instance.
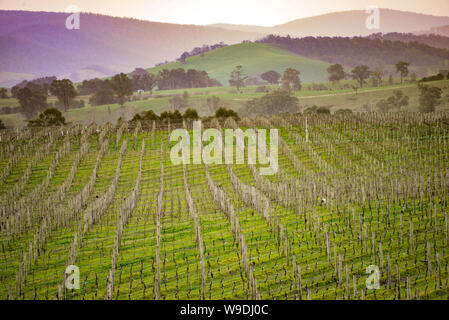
(176, 116)
(181, 79)
(353, 51)
(43, 82)
(272, 103)
(2, 125)
(49, 118)
(396, 101)
(200, 51)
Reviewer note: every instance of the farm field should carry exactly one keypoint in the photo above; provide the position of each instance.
(335, 98)
(352, 192)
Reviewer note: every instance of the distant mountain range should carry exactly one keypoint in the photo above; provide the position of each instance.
(347, 24)
(35, 44)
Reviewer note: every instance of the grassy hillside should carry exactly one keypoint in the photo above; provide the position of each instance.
(256, 58)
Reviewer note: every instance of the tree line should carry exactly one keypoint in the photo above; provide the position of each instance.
(361, 50)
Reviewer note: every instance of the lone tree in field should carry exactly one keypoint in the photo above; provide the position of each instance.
(402, 68)
(32, 100)
(3, 93)
(271, 76)
(48, 118)
(430, 98)
(121, 85)
(290, 80)
(238, 78)
(360, 73)
(336, 73)
(64, 91)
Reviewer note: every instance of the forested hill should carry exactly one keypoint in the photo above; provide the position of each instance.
(433, 40)
(373, 52)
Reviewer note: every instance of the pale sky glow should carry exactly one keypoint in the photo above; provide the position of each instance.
(253, 12)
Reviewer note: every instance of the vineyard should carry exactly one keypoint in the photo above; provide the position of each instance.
(352, 192)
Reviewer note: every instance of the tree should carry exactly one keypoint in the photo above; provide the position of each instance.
(121, 85)
(336, 73)
(430, 98)
(3, 93)
(360, 73)
(48, 118)
(271, 76)
(31, 100)
(290, 80)
(402, 68)
(237, 78)
(64, 91)
(191, 114)
(2, 125)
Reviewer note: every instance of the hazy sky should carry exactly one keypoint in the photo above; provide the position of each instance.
(255, 12)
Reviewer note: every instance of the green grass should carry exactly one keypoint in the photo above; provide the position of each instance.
(256, 58)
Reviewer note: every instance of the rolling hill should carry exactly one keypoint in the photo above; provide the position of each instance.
(38, 43)
(256, 58)
(347, 24)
